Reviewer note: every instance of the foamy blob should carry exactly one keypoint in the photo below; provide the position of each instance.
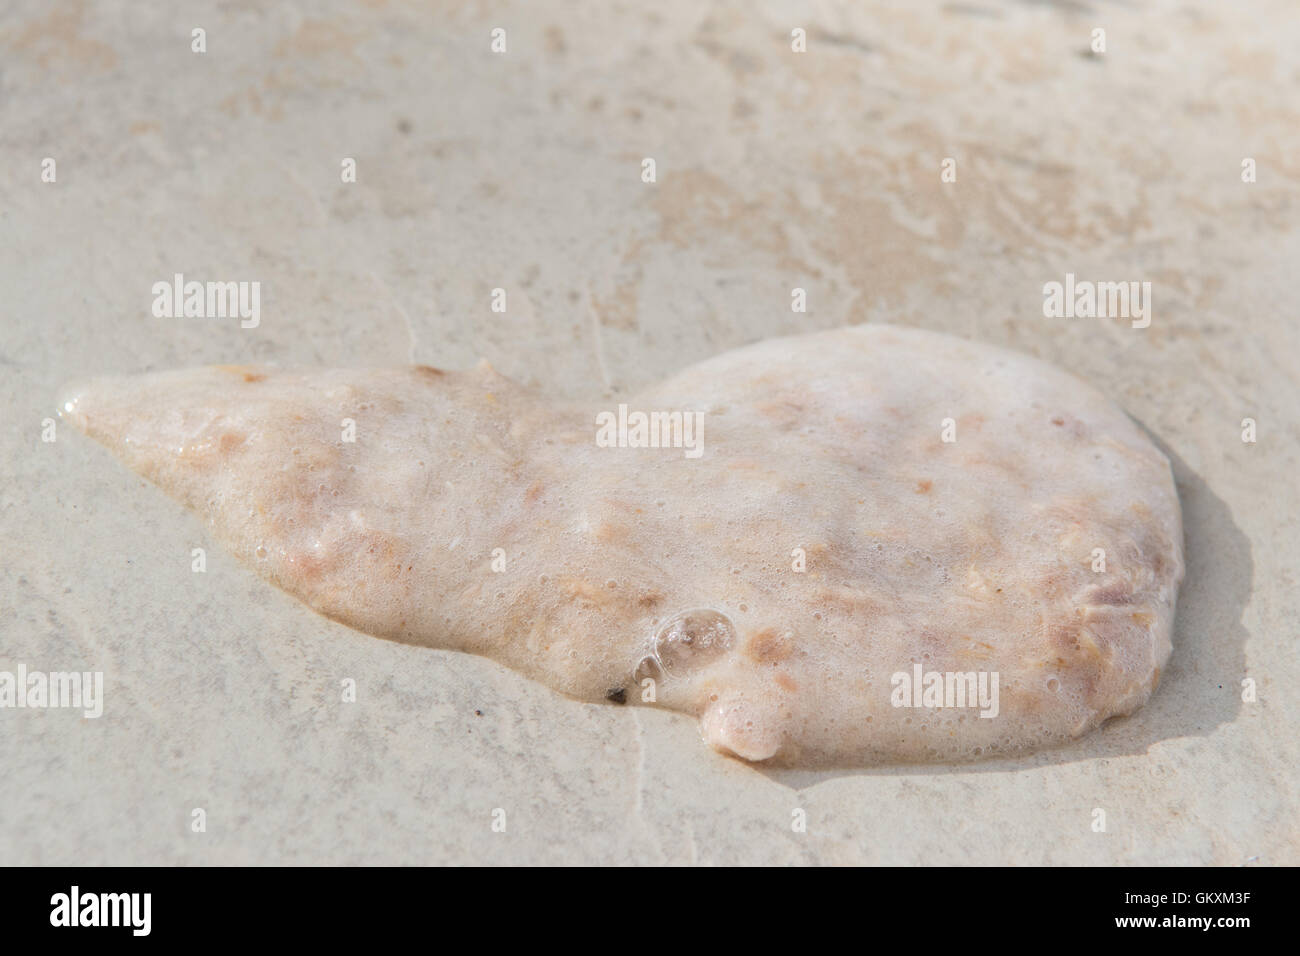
(875, 513)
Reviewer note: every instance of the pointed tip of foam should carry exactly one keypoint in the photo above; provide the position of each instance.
(72, 402)
(104, 407)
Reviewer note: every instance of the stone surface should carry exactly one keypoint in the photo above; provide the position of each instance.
(522, 171)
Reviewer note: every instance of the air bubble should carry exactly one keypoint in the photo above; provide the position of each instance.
(693, 638)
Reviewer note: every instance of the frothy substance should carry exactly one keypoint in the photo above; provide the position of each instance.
(879, 530)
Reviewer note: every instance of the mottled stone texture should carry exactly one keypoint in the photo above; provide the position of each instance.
(522, 171)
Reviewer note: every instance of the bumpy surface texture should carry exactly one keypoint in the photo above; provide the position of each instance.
(867, 500)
